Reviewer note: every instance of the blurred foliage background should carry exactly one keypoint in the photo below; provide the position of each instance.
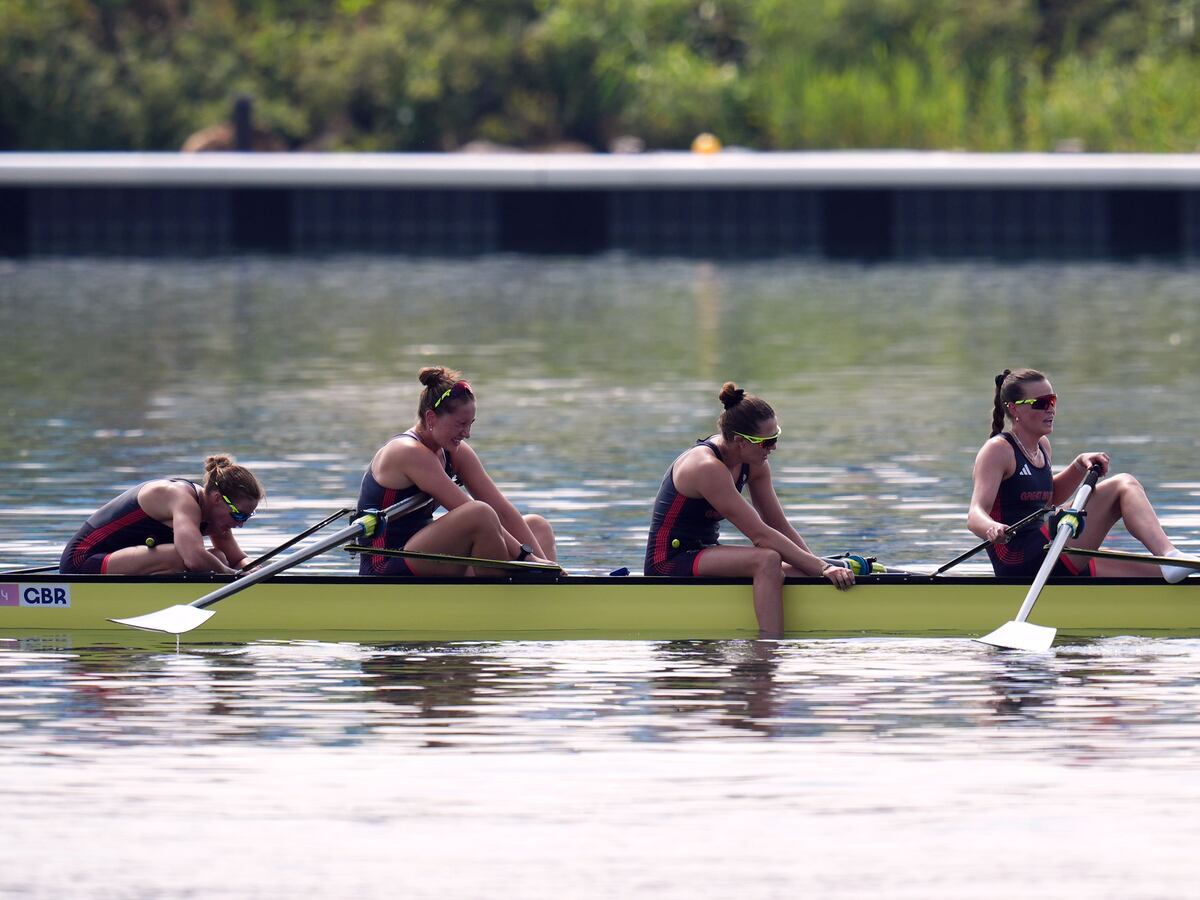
(435, 75)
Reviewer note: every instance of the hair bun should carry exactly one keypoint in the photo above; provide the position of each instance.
(217, 461)
(1000, 378)
(731, 395)
(431, 375)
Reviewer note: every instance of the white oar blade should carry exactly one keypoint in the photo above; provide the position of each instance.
(172, 620)
(1021, 636)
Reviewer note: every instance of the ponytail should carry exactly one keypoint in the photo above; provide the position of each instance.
(998, 405)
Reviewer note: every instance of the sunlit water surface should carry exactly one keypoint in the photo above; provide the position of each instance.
(924, 768)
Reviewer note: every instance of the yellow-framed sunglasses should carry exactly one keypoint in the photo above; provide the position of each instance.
(767, 441)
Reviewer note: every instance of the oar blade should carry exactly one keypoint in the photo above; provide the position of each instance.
(1021, 636)
(178, 619)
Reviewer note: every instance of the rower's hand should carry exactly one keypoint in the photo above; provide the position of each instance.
(840, 577)
(534, 558)
(1086, 460)
(997, 533)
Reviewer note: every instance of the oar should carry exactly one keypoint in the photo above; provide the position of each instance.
(1182, 562)
(32, 571)
(1019, 634)
(1010, 530)
(514, 564)
(184, 617)
(293, 541)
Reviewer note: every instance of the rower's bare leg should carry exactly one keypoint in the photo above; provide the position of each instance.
(163, 559)
(543, 535)
(765, 567)
(472, 529)
(1122, 498)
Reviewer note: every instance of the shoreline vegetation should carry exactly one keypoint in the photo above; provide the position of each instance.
(602, 75)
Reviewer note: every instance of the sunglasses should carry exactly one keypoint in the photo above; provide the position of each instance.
(1046, 401)
(767, 442)
(459, 386)
(236, 514)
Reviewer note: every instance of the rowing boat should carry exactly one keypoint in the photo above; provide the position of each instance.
(333, 607)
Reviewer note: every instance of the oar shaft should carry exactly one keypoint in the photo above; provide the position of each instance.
(1011, 529)
(355, 529)
(33, 570)
(450, 559)
(293, 541)
(1148, 559)
(1056, 546)
(284, 562)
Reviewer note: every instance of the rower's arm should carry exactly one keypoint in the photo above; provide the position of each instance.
(766, 501)
(179, 502)
(401, 463)
(480, 485)
(993, 463)
(227, 544)
(709, 478)
(1070, 478)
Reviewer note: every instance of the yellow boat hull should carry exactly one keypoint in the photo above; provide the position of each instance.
(352, 608)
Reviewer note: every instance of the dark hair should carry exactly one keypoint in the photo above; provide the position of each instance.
(1010, 386)
(223, 475)
(743, 411)
(439, 380)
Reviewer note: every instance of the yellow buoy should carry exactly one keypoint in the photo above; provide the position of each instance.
(706, 143)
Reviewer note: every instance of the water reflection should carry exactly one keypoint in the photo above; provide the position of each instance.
(944, 697)
(1020, 687)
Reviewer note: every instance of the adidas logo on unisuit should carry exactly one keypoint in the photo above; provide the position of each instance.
(1025, 470)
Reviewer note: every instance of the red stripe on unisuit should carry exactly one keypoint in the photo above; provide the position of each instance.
(664, 532)
(380, 539)
(84, 549)
(1008, 555)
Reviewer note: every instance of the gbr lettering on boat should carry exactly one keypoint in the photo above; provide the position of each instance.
(49, 596)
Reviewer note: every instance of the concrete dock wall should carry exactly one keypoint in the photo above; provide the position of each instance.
(893, 205)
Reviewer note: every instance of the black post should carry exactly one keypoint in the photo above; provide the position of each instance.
(241, 124)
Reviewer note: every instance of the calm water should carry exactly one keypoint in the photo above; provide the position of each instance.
(843, 768)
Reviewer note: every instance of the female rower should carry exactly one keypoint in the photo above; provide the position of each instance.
(428, 459)
(1013, 479)
(703, 486)
(158, 527)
